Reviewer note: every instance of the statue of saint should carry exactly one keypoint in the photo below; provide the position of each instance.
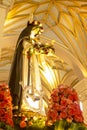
(20, 75)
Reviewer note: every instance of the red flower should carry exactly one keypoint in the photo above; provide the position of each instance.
(63, 101)
(62, 108)
(73, 96)
(64, 104)
(56, 106)
(5, 105)
(55, 98)
(10, 122)
(23, 124)
(71, 111)
(1, 96)
(55, 92)
(52, 115)
(78, 118)
(63, 115)
(30, 123)
(23, 118)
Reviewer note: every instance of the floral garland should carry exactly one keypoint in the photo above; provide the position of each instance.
(6, 121)
(63, 112)
(29, 120)
(64, 108)
(40, 49)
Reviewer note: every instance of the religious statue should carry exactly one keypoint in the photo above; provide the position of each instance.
(20, 75)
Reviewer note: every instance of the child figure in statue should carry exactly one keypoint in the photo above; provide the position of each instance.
(16, 75)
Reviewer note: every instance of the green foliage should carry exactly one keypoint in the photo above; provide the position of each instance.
(4, 126)
(64, 125)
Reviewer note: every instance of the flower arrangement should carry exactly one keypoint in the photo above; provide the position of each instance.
(19, 121)
(38, 48)
(29, 120)
(63, 113)
(64, 109)
(6, 121)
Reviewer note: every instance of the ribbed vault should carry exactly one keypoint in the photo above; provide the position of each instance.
(64, 22)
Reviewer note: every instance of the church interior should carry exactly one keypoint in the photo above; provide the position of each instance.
(43, 45)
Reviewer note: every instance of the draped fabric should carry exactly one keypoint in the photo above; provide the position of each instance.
(17, 67)
(27, 68)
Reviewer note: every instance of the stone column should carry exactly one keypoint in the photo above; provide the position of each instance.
(81, 88)
(5, 6)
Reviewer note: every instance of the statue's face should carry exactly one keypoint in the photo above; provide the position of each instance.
(35, 32)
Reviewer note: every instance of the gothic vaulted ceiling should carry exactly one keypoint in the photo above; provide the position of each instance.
(64, 23)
